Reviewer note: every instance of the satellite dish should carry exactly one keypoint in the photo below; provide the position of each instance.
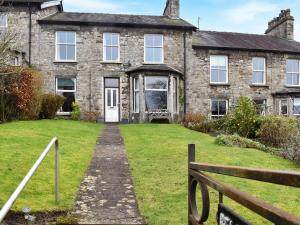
(1, 2)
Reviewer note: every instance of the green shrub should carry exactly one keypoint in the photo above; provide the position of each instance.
(75, 114)
(51, 103)
(197, 122)
(243, 119)
(278, 131)
(241, 142)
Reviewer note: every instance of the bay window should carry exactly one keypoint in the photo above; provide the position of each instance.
(258, 70)
(153, 52)
(296, 106)
(136, 95)
(111, 47)
(292, 72)
(65, 46)
(219, 108)
(67, 88)
(3, 21)
(156, 93)
(218, 69)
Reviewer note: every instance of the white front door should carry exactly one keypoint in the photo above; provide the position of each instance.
(111, 105)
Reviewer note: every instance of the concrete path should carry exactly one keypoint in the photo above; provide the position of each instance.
(106, 194)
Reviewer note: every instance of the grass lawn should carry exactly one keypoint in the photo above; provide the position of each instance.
(21, 143)
(158, 158)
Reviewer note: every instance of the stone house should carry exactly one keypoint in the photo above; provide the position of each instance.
(137, 68)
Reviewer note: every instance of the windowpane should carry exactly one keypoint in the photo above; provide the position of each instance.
(3, 20)
(111, 82)
(293, 66)
(108, 92)
(297, 106)
(156, 100)
(218, 65)
(292, 78)
(175, 94)
(261, 106)
(70, 52)
(156, 82)
(258, 78)
(154, 48)
(111, 47)
(69, 99)
(136, 84)
(62, 52)
(61, 37)
(114, 98)
(214, 108)
(66, 45)
(65, 84)
(258, 63)
(114, 53)
(136, 102)
(222, 107)
(108, 54)
(283, 107)
(114, 39)
(218, 108)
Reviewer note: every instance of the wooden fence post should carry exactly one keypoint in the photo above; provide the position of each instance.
(191, 158)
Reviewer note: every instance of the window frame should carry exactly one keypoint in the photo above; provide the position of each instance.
(104, 58)
(293, 85)
(265, 105)
(136, 80)
(6, 20)
(162, 49)
(69, 91)
(175, 94)
(264, 71)
(158, 90)
(294, 107)
(218, 116)
(287, 106)
(210, 69)
(56, 47)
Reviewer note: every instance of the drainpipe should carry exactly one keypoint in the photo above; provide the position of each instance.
(184, 72)
(30, 28)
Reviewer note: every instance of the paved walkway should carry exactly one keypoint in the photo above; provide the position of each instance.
(106, 193)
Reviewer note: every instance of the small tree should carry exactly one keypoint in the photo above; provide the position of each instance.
(243, 119)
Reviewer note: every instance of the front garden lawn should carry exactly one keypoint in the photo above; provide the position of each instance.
(158, 158)
(21, 143)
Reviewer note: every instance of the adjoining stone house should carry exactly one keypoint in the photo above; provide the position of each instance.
(135, 68)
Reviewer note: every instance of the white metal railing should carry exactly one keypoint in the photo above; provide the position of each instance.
(7, 206)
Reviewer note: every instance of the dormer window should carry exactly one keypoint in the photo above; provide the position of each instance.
(3, 21)
(154, 50)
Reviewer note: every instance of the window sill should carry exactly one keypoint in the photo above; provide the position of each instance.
(292, 86)
(259, 85)
(63, 113)
(219, 84)
(109, 62)
(153, 63)
(70, 61)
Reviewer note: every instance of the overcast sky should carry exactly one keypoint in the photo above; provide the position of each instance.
(247, 16)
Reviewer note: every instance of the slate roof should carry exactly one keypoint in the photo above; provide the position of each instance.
(240, 41)
(72, 18)
(154, 68)
(26, 1)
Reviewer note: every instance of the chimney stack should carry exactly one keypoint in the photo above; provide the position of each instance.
(172, 9)
(282, 26)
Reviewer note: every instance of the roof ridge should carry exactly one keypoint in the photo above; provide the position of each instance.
(114, 14)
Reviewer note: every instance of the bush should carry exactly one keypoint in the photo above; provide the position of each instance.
(20, 93)
(91, 116)
(241, 142)
(75, 114)
(243, 119)
(278, 131)
(51, 103)
(197, 122)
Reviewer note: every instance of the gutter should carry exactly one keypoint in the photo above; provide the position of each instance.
(184, 72)
(30, 34)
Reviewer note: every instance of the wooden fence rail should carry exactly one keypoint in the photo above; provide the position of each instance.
(225, 215)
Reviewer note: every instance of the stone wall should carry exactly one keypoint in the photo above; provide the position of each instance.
(200, 91)
(90, 70)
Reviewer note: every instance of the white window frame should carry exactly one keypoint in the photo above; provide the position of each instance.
(210, 68)
(70, 91)
(175, 94)
(104, 48)
(265, 103)
(293, 85)
(6, 21)
(264, 71)
(56, 47)
(162, 48)
(294, 107)
(218, 116)
(287, 105)
(161, 90)
(136, 80)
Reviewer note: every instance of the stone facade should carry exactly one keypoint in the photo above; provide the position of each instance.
(200, 91)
